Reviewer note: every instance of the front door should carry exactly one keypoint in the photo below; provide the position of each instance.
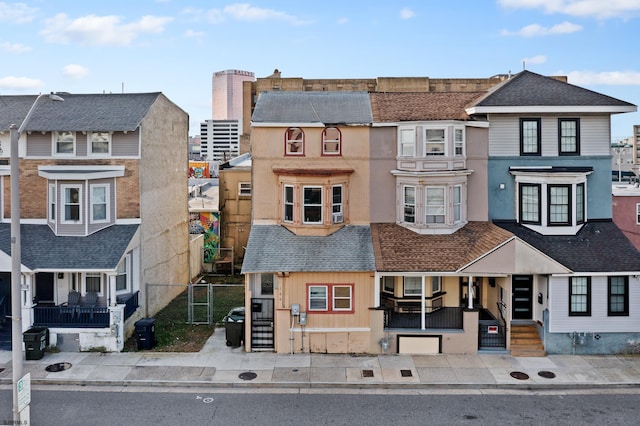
(44, 287)
(522, 297)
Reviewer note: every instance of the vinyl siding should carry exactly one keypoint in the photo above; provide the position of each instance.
(125, 144)
(38, 144)
(94, 227)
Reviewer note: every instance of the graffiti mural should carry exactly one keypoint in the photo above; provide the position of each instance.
(207, 223)
(199, 169)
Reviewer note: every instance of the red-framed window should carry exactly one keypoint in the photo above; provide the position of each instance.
(330, 298)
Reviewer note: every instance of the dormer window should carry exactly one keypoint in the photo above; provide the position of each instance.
(294, 141)
(64, 143)
(331, 141)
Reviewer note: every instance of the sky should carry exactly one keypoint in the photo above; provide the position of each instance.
(175, 46)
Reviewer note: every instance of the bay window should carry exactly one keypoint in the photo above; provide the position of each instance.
(409, 203)
(434, 205)
(312, 204)
(99, 203)
(559, 204)
(435, 141)
(71, 197)
(407, 142)
(530, 203)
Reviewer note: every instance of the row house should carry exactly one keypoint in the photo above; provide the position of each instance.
(438, 222)
(103, 212)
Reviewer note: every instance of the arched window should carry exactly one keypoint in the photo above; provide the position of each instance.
(331, 141)
(294, 141)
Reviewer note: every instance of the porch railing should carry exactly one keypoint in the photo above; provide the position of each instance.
(131, 303)
(69, 316)
(443, 318)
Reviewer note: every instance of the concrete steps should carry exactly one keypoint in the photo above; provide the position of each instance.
(525, 341)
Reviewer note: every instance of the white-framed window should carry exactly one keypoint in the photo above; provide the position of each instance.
(328, 298)
(412, 286)
(336, 204)
(434, 204)
(64, 143)
(122, 275)
(331, 141)
(458, 142)
(407, 142)
(342, 298)
(93, 282)
(436, 285)
(99, 143)
(435, 141)
(71, 196)
(318, 298)
(409, 203)
(294, 141)
(288, 203)
(457, 204)
(52, 202)
(244, 189)
(388, 284)
(312, 204)
(99, 203)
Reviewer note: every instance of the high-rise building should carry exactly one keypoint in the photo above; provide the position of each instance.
(226, 94)
(219, 140)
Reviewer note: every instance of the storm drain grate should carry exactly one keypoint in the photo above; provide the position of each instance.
(547, 374)
(248, 375)
(406, 373)
(519, 375)
(367, 373)
(58, 366)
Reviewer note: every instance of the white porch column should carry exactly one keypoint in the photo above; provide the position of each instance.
(470, 301)
(376, 290)
(111, 279)
(422, 312)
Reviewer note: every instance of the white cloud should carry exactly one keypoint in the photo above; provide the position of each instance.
(407, 13)
(100, 30)
(242, 12)
(19, 83)
(585, 8)
(342, 21)
(196, 35)
(537, 59)
(14, 47)
(16, 13)
(75, 71)
(610, 78)
(535, 30)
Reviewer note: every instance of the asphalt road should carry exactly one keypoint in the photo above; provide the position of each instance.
(54, 405)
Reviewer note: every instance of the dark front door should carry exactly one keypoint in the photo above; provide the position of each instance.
(44, 287)
(522, 299)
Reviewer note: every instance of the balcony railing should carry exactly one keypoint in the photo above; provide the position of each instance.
(70, 316)
(443, 318)
(131, 303)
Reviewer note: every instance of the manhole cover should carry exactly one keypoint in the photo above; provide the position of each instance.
(547, 374)
(519, 375)
(367, 373)
(406, 373)
(248, 375)
(58, 366)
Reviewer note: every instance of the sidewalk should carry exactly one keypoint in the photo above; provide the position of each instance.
(217, 365)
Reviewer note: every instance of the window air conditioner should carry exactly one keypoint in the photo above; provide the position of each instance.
(338, 218)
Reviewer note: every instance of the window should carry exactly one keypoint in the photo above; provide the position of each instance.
(288, 203)
(618, 296)
(458, 142)
(637, 214)
(580, 203)
(388, 284)
(412, 286)
(100, 143)
(312, 204)
(93, 282)
(99, 203)
(121, 275)
(436, 285)
(52, 202)
(331, 141)
(434, 141)
(64, 143)
(530, 203)
(407, 142)
(409, 202)
(266, 284)
(530, 136)
(434, 205)
(336, 298)
(71, 204)
(568, 136)
(580, 296)
(244, 189)
(294, 141)
(336, 204)
(457, 204)
(559, 204)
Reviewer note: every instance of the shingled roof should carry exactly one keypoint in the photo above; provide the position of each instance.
(313, 107)
(530, 89)
(81, 112)
(398, 249)
(42, 249)
(599, 246)
(396, 107)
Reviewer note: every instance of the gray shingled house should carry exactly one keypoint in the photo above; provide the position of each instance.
(103, 212)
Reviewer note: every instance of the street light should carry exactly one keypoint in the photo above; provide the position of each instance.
(16, 261)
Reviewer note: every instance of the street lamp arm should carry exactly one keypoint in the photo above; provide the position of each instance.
(33, 107)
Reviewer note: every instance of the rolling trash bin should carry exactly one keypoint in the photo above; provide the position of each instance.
(36, 340)
(145, 333)
(234, 327)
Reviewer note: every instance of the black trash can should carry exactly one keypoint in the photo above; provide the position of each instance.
(36, 340)
(145, 333)
(234, 327)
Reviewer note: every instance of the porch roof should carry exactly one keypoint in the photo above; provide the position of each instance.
(600, 246)
(273, 248)
(398, 249)
(43, 250)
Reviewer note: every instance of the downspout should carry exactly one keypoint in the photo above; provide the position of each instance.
(422, 311)
(470, 301)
